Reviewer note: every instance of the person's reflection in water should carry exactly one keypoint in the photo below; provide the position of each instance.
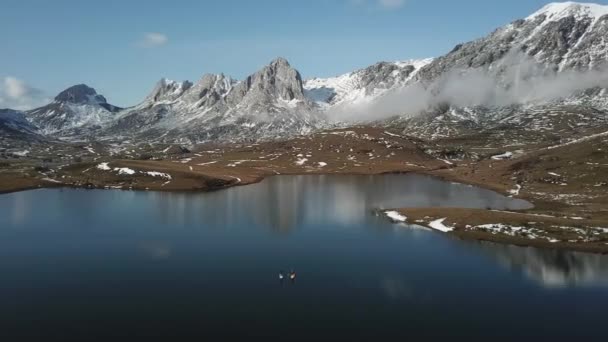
(292, 276)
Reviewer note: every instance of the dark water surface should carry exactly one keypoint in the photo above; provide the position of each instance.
(120, 265)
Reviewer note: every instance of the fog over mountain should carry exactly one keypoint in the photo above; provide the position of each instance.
(555, 53)
(521, 81)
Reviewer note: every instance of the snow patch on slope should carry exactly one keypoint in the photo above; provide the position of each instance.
(558, 10)
(351, 89)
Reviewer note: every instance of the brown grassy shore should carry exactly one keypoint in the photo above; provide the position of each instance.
(352, 151)
(567, 184)
(517, 228)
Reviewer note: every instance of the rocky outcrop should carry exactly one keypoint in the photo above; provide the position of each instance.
(167, 91)
(268, 104)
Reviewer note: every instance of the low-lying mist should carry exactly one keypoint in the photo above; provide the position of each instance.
(516, 79)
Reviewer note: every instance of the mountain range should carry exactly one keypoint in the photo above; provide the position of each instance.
(553, 61)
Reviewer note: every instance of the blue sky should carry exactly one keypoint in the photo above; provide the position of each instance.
(122, 48)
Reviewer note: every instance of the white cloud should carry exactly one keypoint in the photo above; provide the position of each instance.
(16, 94)
(391, 4)
(14, 87)
(153, 39)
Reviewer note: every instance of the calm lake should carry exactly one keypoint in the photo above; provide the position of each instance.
(108, 265)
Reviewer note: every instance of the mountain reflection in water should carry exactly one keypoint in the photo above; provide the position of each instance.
(552, 268)
(282, 203)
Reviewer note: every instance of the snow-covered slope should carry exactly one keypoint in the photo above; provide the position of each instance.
(548, 68)
(559, 10)
(560, 36)
(362, 86)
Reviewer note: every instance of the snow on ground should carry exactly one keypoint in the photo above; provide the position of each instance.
(235, 163)
(500, 228)
(322, 164)
(392, 134)
(301, 161)
(590, 137)
(237, 179)
(22, 153)
(208, 163)
(103, 167)
(515, 192)
(124, 171)
(583, 235)
(158, 174)
(130, 172)
(506, 155)
(438, 225)
(395, 216)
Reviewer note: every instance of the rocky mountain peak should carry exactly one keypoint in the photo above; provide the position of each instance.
(215, 81)
(80, 94)
(209, 90)
(75, 110)
(280, 62)
(168, 90)
(278, 80)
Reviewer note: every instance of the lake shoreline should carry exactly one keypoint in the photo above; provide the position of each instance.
(458, 217)
(509, 227)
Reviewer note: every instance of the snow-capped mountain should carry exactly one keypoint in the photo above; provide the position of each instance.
(560, 36)
(555, 58)
(362, 86)
(78, 107)
(529, 73)
(268, 104)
